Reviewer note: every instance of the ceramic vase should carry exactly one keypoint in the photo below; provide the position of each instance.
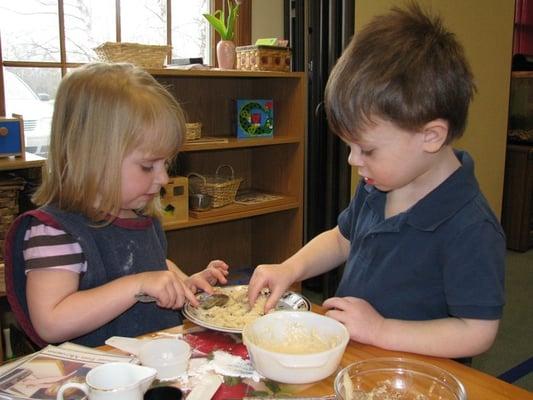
(226, 54)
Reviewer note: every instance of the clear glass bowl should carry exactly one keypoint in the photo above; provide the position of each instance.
(397, 379)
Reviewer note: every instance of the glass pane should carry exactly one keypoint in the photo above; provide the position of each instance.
(88, 23)
(190, 30)
(30, 30)
(144, 21)
(31, 92)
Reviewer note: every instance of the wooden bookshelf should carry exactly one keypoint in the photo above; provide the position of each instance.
(28, 161)
(522, 74)
(251, 234)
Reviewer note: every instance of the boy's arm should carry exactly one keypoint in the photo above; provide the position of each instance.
(324, 252)
(446, 337)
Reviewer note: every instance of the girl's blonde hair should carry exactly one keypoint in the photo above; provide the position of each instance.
(102, 113)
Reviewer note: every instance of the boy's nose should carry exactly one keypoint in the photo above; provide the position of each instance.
(355, 159)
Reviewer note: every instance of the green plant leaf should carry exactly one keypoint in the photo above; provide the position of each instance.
(232, 17)
(217, 22)
(226, 29)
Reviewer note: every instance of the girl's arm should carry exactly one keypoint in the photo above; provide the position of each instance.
(215, 272)
(59, 311)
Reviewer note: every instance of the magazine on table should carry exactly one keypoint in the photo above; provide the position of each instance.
(41, 374)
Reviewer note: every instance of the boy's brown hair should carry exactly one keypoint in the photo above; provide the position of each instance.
(403, 67)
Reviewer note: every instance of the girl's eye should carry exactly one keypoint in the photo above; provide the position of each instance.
(367, 152)
(147, 167)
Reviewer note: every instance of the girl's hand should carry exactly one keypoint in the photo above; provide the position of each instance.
(276, 277)
(167, 287)
(215, 272)
(360, 318)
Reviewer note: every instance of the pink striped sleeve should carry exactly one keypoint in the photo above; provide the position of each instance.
(46, 247)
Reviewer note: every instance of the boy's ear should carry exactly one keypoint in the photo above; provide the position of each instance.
(435, 133)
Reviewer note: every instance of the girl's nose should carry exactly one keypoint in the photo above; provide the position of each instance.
(162, 177)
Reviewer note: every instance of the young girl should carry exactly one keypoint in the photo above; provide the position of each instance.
(75, 265)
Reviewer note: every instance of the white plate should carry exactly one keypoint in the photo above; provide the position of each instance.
(289, 301)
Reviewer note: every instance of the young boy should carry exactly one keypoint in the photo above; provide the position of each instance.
(424, 253)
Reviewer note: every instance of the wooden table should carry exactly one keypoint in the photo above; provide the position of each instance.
(479, 386)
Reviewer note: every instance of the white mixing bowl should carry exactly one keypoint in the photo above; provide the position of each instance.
(270, 340)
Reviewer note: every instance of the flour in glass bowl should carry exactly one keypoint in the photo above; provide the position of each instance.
(382, 391)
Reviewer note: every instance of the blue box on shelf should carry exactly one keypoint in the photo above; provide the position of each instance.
(11, 137)
(255, 118)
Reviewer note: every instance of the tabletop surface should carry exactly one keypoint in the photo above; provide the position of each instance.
(479, 385)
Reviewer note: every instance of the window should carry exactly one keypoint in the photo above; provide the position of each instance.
(41, 39)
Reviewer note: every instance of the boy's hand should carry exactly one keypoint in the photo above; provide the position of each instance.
(167, 287)
(215, 272)
(360, 318)
(276, 277)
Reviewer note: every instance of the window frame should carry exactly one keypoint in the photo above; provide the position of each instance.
(242, 37)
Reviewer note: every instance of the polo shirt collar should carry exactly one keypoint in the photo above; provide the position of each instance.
(440, 204)
(446, 199)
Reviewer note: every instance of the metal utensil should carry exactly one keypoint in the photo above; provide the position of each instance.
(144, 298)
(215, 299)
(206, 302)
(200, 202)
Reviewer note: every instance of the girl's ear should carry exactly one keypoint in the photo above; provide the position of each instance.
(435, 133)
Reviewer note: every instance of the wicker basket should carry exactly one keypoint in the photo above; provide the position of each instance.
(9, 207)
(193, 131)
(142, 55)
(263, 58)
(222, 189)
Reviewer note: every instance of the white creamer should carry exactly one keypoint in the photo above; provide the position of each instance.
(114, 381)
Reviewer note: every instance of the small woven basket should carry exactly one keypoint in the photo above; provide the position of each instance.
(263, 58)
(9, 207)
(142, 55)
(193, 130)
(222, 188)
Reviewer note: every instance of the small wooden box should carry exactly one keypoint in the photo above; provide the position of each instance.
(175, 199)
(11, 137)
(263, 58)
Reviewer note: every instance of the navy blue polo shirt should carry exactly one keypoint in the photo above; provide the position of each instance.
(443, 257)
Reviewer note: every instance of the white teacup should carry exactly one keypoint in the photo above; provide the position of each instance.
(170, 357)
(114, 381)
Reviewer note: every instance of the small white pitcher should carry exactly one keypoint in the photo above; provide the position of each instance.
(114, 381)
